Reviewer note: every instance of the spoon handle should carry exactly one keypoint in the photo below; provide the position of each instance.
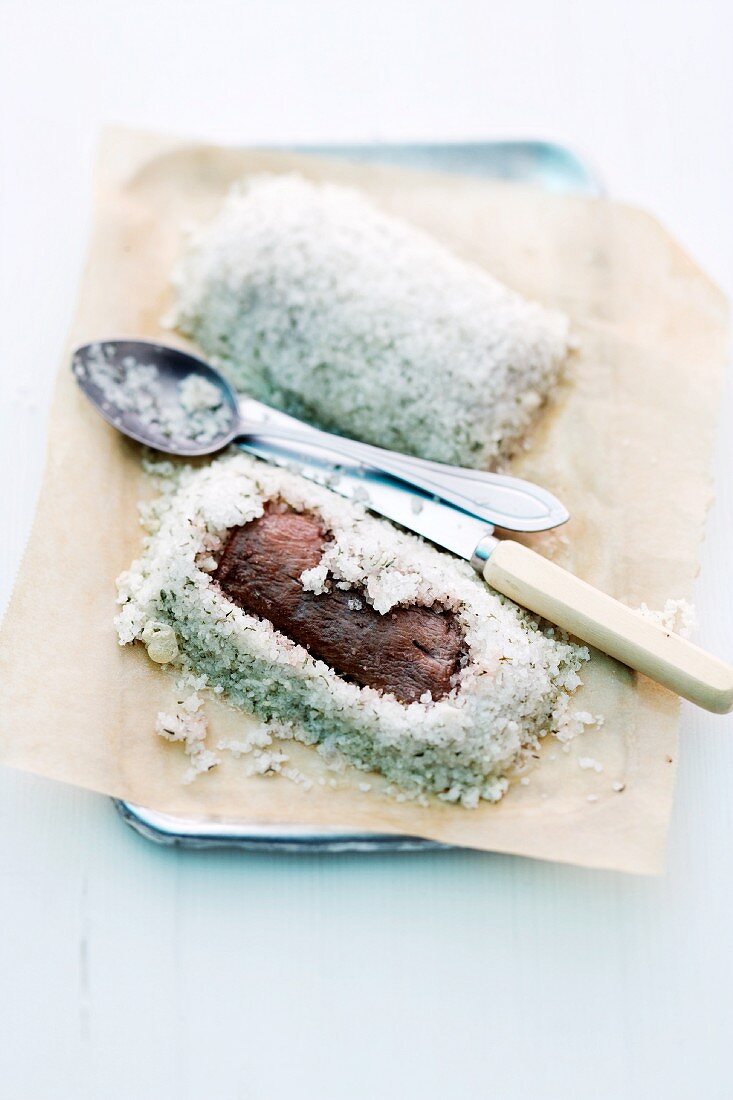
(504, 501)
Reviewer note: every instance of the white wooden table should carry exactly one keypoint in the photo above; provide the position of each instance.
(131, 971)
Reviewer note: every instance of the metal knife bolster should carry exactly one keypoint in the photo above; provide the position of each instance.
(482, 552)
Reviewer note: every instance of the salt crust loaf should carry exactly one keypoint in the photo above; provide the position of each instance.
(311, 299)
(513, 689)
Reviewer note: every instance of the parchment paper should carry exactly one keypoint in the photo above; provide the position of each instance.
(627, 445)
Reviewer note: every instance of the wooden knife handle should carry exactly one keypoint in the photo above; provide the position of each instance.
(538, 584)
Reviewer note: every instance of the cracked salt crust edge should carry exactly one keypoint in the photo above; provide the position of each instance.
(188, 725)
(495, 719)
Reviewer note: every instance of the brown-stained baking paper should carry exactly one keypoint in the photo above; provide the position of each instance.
(626, 445)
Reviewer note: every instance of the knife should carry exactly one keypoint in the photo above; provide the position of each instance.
(507, 566)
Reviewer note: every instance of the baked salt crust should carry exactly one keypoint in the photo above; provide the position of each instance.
(310, 298)
(513, 688)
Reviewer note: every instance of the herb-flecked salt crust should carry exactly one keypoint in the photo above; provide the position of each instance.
(311, 299)
(514, 688)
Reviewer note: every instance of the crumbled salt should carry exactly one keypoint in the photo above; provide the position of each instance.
(257, 737)
(587, 763)
(573, 722)
(298, 777)
(513, 688)
(267, 763)
(190, 729)
(677, 616)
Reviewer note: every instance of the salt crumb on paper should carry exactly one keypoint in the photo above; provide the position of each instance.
(298, 777)
(677, 616)
(587, 763)
(573, 722)
(267, 762)
(190, 729)
(255, 738)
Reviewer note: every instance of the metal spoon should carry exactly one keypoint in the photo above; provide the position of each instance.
(106, 370)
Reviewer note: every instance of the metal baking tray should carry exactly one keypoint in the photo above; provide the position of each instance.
(542, 164)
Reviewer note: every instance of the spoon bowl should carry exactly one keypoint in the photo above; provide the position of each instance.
(140, 389)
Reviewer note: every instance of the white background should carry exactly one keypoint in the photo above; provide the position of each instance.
(131, 971)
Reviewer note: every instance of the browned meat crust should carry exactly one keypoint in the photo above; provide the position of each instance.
(408, 651)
